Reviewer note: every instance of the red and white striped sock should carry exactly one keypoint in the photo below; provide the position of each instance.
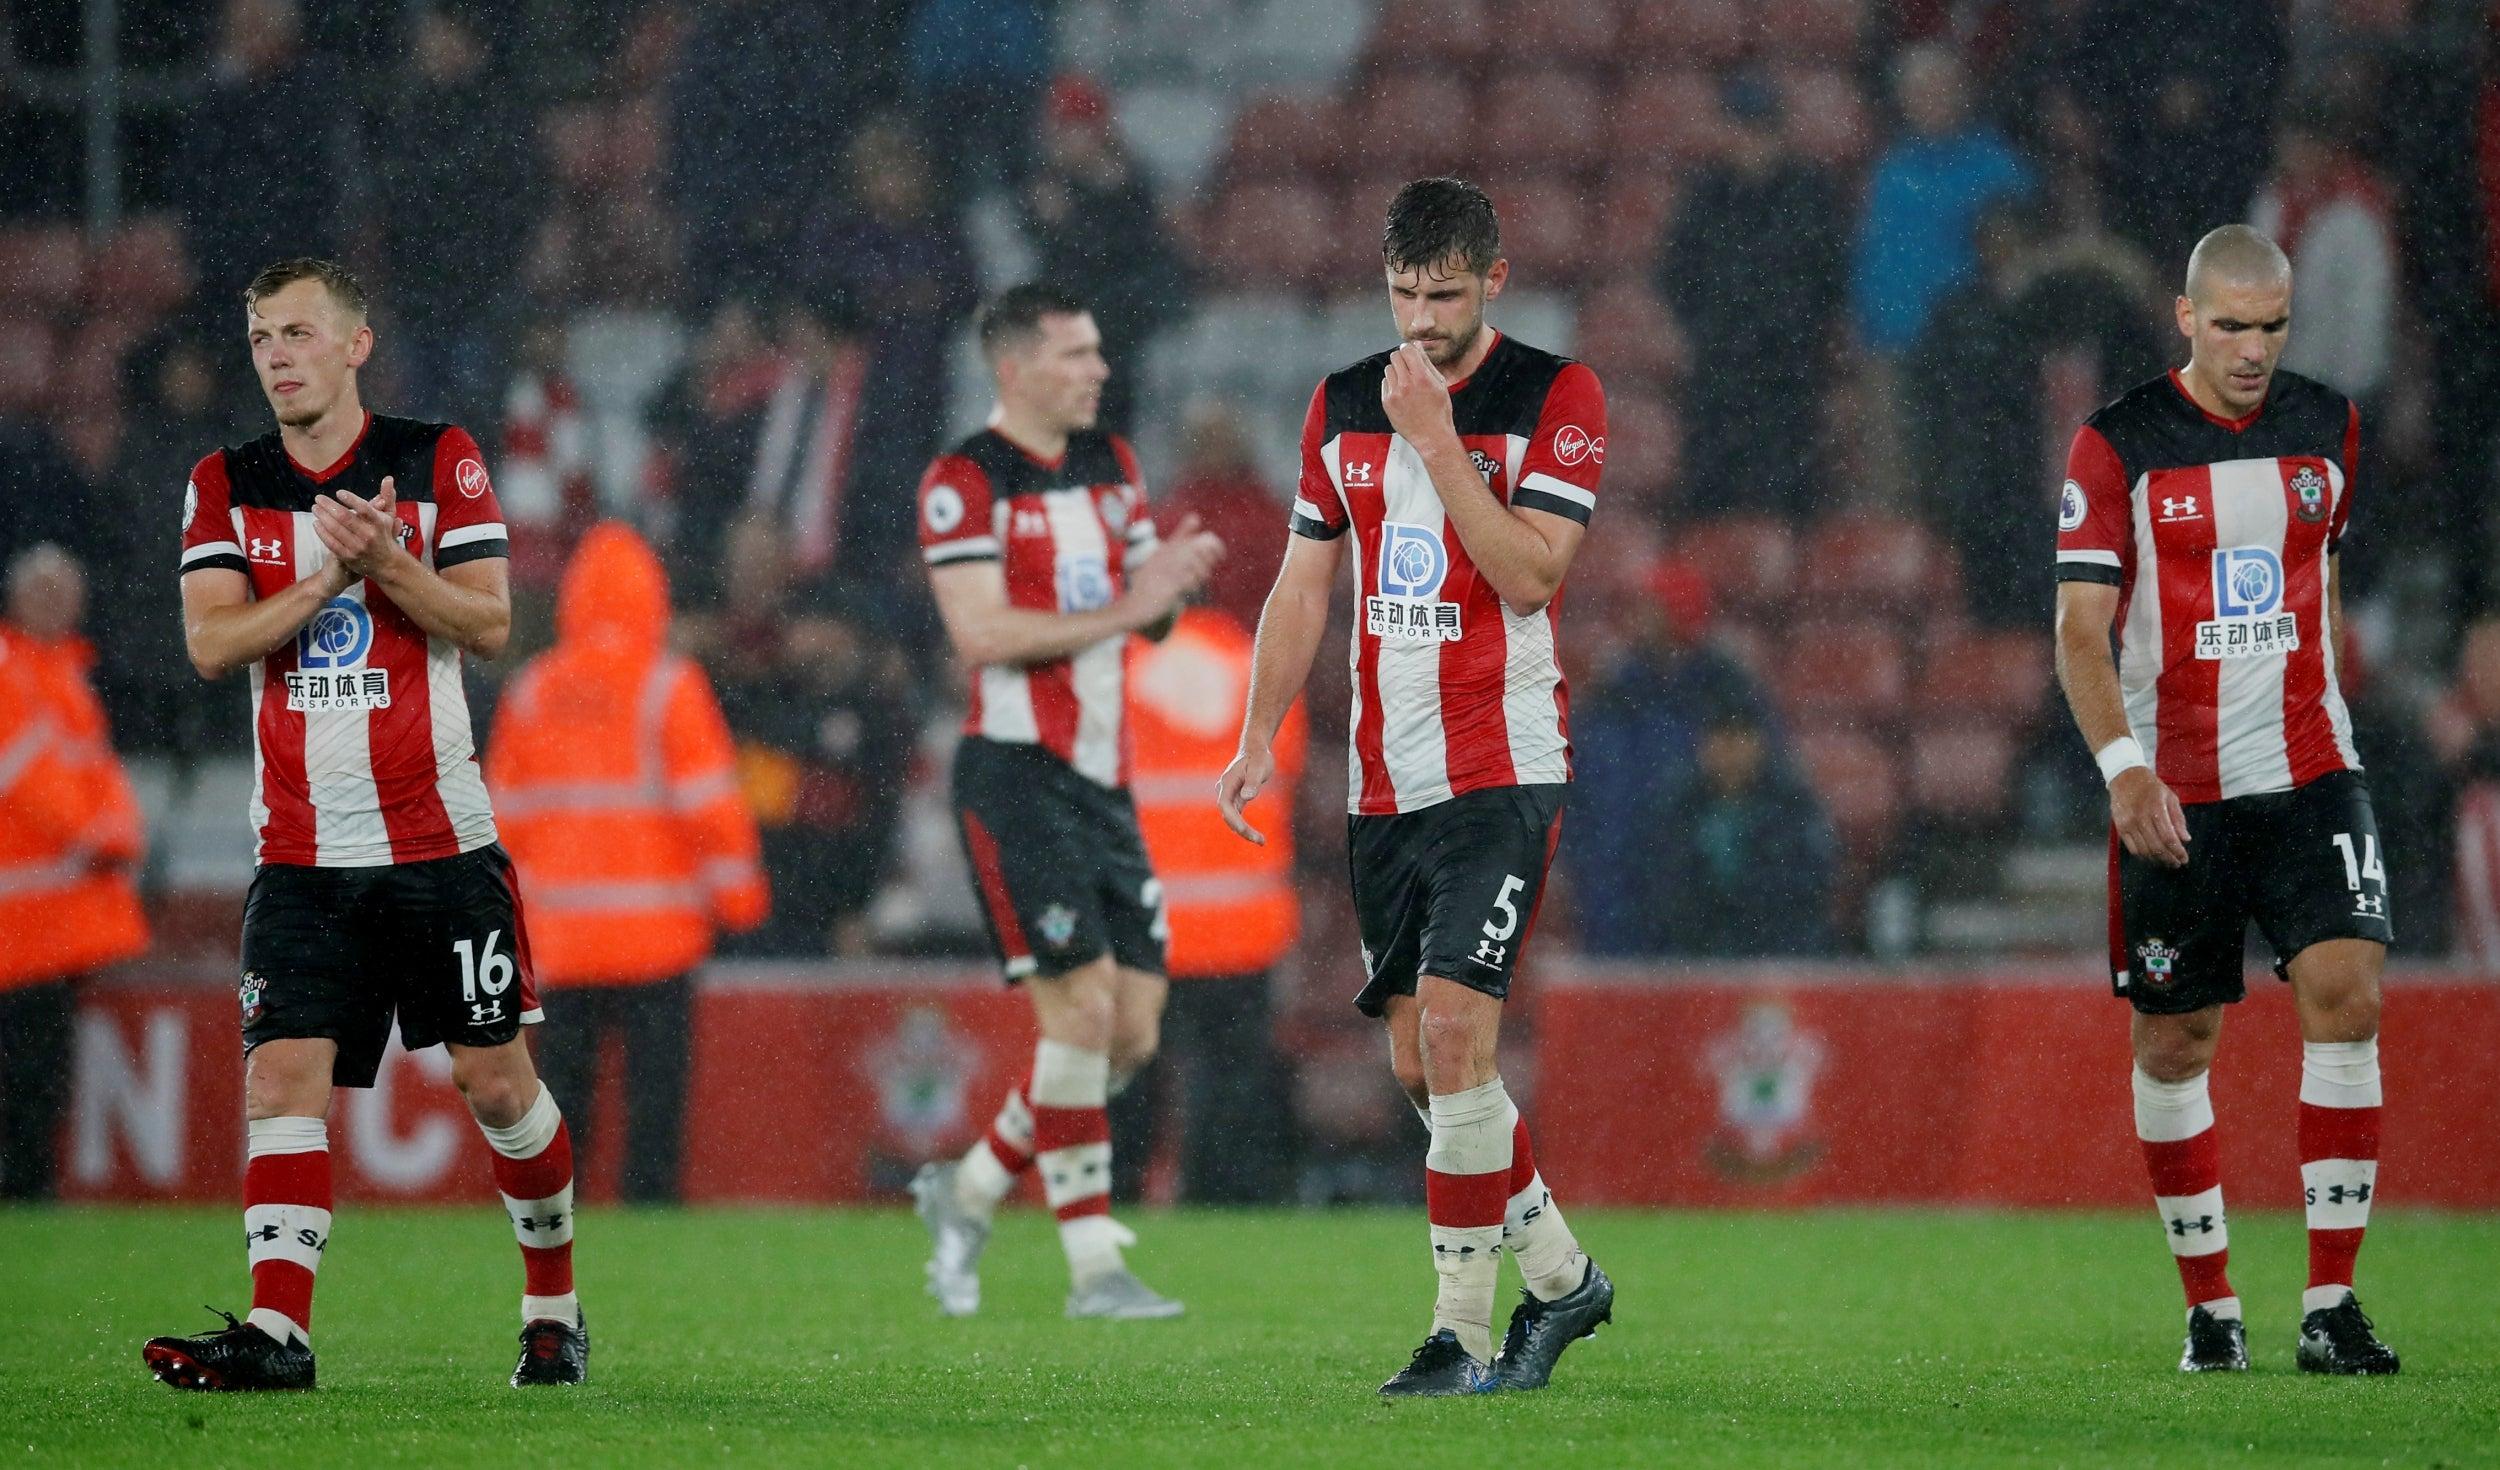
(991, 1167)
(2339, 1114)
(1467, 1187)
(2175, 1121)
(1533, 1231)
(534, 1173)
(1072, 1147)
(286, 1220)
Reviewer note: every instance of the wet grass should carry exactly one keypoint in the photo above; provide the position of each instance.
(772, 1337)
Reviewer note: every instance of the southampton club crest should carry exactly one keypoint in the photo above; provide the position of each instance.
(2157, 963)
(1766, 1068)
(2310, 488)
(1057, 925)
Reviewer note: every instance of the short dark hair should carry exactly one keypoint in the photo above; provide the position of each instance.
(341, 283)
(1017, 313)
(1432, 220)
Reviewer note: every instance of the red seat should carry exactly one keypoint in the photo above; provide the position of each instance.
(1545, 229)
(40, 267)
(1820, 30)
(1270, 234)
(1826, 116)
(1962, 773)
(1415, 123)
(26, 353)
(1580, 32)
(1859, 782)
(1632, 218)
(1985, 678)
(142, 268)
(1688, 32)
(1271, 139)
(1752, 559)
(1843, 674)
(1430, 33)
(1644, 442)
(1544, 119)
(1625, 332)
(1668, 118)
(1857, 564)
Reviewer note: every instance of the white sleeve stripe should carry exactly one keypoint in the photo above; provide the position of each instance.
(2091, 557)
(1560, 489)
(964, 550)
(484, 531)
(207, 549)
(1303, 507)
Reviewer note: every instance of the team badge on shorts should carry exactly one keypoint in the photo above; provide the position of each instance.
(1057, 925)
(249, 994)
(2158, 962)
(2310, 486)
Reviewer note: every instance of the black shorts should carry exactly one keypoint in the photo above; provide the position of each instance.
(337, 952)
(1057, 861)
(1451, 890)
(2304, 865)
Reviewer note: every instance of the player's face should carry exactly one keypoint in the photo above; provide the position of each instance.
(305, 347)
(2236, 333)
(1059, 375)
(1442, 306)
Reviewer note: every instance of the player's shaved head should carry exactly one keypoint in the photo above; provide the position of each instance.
(2235, 255)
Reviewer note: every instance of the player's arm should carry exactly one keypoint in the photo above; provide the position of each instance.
(986, 628)
(224, 627)
(1290, 627)
(2145, 811)
(1523, 553)
(469, 605)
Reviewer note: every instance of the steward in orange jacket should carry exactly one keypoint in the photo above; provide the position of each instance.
(616, 793)
(1232, 906)
(69, 836)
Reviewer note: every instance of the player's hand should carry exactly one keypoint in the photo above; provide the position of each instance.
(362, 535)
(1242, 781)
(1178, 567)
(2148, 817)
(1416, 398)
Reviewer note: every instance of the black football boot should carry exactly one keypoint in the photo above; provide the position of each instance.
(1539, 1331)
(2339, 1339)
(2214, 1344)
(238, 1356)
(1441, 1369)
(553, 1352)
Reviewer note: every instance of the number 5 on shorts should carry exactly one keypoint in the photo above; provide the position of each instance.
(483, 969)
(1511, 883)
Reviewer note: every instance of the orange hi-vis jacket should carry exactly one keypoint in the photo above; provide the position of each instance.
(70, 830)
(1231, 903)
(615, 785)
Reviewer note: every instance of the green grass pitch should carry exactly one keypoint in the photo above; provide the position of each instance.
(801, 1337)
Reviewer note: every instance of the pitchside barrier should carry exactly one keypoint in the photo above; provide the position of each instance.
(1768, 1086)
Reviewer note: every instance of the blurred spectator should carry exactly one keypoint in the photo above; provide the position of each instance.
(757, 108)
(1094, 223)
(456, 205)
(2464, 730)
(1914, 243)
(1981, 425)
(261, 165)
(701, 425)
(1233, 913)
(544, 479)
(616, 793)
(69, 838)
(1757, 239)
(824, 714)
(1635, 733)
(2183, 95)
(173, 416)
(897, 262)
(977, 67)
(1218, 482)
(1742, 861)
(2331, 214)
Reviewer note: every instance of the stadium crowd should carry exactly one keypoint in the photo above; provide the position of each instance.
(1851, 273)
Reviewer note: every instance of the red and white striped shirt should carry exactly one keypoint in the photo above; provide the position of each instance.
(360, 729)
(2217, 533)
(1453, 692)
(1066, 534)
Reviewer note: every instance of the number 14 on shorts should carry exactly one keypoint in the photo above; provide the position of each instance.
(484, 973)
(2362, 865)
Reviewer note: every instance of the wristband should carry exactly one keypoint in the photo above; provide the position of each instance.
(2119, 756)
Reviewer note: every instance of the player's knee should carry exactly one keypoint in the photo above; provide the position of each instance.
(2178, 1052)
(495, 1092)
(1133, 1048)
(1453, 1046)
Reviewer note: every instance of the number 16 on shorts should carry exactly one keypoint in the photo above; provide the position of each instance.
(485, 975)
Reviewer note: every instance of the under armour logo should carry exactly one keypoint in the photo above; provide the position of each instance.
(2179, 508)
(485, 1010)
(267, 550)
(1489, 954)
(1032, 523)
(2369, 906)
(1358, 474)
(2201, 1224)
(260, 1232)
(535, 1223)
(2343, 1194)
